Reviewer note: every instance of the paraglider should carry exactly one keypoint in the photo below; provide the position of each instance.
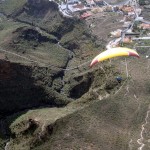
(119, 79)
(114, 52)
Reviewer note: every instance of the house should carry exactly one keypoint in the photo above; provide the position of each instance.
(113, 43)
(77, 8)
(129, 18)
(108, 8)
(63, 11)
(85, 15)
(127, 40)
(90, 3)
(144, 26)
(132, 13)
(72, 1)
(127, 24)
(118, 41)
(138, 11)
(139, 19)
(97, 9)
(115, 8)
(126, 9)
(116, 33)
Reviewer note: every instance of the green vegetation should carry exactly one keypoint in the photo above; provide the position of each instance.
(53, 109)
(10, 6)
(143, 2)
(79, 38)
(143, 50)
(71, 39)
(7, 27)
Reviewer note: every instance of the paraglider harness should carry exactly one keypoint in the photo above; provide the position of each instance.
(119, 79)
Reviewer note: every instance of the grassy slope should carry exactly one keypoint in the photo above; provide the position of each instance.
(107, 124)
(10, 6)
(7, 27)
(47, 52)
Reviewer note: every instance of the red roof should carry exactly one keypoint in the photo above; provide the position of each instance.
(78, 6)
(85, 15)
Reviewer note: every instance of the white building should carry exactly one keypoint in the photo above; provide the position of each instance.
(76, 8)
(72, 1)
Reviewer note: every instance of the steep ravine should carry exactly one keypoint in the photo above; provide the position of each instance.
(143, 141)
(31, 87)
(41, 104)
(25, 87)
(28, 87)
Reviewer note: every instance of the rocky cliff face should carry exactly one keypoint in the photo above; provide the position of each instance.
(21, 89)
(37, 2)
(47, 17)
(28, 86)
(40, 5)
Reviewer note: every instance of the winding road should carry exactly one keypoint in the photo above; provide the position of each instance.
(119, 3)
(141, 141)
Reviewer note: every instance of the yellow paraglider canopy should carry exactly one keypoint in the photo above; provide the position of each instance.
(114, 52)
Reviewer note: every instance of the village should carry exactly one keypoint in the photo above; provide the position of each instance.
(130, 11)
(85, 8)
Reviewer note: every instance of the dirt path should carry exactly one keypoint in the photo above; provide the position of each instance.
(141, 141)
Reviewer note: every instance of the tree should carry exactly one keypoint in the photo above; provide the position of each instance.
(142, 2)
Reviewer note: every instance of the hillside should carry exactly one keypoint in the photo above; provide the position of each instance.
(51, 99)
